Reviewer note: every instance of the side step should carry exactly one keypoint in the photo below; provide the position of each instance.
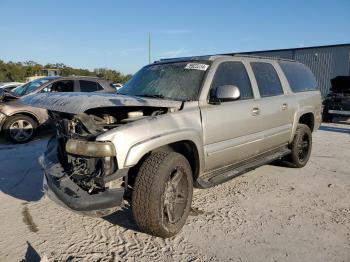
(222, 175)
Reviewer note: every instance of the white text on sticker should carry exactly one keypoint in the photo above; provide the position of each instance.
(202, 67)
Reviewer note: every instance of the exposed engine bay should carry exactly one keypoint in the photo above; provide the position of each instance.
(94, 174)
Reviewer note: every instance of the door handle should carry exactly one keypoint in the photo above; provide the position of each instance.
(255, 111)
(284, 106)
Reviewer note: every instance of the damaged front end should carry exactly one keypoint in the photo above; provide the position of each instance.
(82, 173)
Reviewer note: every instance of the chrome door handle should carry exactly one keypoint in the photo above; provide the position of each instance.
(284, 106)
(255, 111)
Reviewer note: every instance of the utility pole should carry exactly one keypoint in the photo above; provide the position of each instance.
(149, 48)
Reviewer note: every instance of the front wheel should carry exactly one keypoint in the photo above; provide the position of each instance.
(162, 194)
(20, 128)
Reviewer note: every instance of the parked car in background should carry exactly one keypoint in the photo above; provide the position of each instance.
(337, 102)
(19, 122)
(176, 124)
(117, 86)
(10, 85)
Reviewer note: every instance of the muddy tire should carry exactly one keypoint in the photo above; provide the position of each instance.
(20, 129)
(162, 194)
(301, 146)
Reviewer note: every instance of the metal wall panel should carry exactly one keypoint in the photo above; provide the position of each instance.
(325, 62)
(286, 54)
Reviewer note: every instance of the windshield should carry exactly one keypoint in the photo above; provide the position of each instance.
(29, 87)
(176, 81)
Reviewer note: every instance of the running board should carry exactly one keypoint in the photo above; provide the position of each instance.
(222, 175)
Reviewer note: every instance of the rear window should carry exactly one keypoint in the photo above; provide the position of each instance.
(89, 86)
(299, 76)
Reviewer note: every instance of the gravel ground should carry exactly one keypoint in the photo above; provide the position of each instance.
(273, 213)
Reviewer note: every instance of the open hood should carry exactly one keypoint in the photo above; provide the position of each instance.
(341, 84)
(77, 103)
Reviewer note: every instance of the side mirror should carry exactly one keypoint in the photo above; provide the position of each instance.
(226, 93)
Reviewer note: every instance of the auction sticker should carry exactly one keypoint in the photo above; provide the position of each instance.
(195, 66)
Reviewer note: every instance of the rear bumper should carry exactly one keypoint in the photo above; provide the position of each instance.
(62, 190)
(339, 112)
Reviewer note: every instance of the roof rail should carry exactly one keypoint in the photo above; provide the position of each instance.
(262, 57)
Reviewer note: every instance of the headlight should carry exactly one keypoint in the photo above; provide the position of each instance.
(90, 148)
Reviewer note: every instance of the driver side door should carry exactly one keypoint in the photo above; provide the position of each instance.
(231, 129)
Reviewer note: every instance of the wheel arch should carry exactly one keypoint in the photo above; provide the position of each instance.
(28, 114)
(306, 117)
(186, 143)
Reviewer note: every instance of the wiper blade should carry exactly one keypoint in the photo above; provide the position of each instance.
(154, 96)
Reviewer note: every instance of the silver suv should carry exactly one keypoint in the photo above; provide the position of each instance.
(176, 124)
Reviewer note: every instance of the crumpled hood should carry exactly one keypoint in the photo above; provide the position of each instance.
(77, 102)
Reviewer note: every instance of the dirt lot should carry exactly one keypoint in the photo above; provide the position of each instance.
(270, 214)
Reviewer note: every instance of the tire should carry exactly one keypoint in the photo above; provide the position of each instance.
(20, 129)
(162, 194)
(301, 146)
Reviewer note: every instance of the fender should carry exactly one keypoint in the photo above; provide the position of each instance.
(138, 150)
(297, 115)
(3, 120)
(25, 112)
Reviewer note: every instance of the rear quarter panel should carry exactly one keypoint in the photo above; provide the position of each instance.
(305, 102)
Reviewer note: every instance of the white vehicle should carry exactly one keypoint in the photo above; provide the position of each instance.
(10, 85)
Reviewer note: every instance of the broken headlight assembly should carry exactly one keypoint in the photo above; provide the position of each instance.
(90, 148)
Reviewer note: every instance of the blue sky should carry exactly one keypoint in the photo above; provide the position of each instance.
(114, 34)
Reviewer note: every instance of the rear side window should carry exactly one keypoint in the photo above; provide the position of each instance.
(60, 86)
(89, 86)
(299, 76)
(267, 79)
(233, 73)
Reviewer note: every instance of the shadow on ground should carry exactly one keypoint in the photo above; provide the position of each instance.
(20, 173)
(123, 218)
(335, 129)
(31, 254)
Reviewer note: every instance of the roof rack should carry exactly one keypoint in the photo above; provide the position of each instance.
(261, 57)
(230, 54)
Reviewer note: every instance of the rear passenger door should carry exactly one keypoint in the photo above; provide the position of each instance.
(273, 106)
(89, 86)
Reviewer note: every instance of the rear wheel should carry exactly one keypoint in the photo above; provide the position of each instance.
(301, 146)
(162, 194)
(20, 128)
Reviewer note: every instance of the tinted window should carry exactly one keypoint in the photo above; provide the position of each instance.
(299, 76)
(267, 79)
(232, 73)
(88, 86)
(60, 86)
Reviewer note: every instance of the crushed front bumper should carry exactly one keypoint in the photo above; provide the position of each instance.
(62, 190)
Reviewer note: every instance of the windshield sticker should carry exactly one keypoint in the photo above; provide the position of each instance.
(202, 67)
